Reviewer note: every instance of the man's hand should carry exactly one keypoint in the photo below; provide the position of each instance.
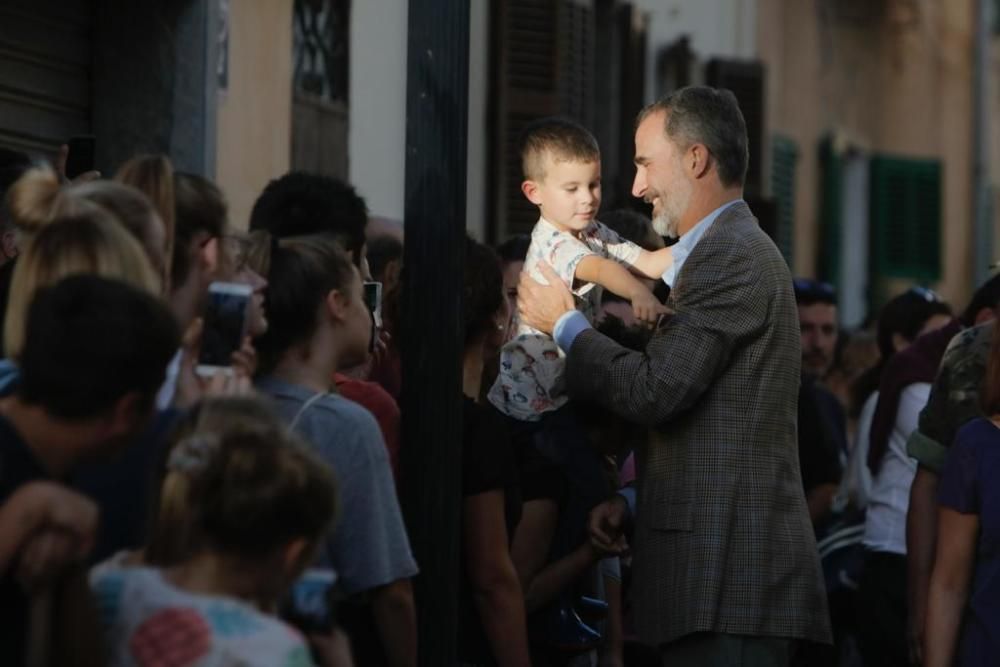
(540, 306)
(606, 523)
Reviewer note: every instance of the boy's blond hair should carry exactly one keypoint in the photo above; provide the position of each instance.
(562, 139)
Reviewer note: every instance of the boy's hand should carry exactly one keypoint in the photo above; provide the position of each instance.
(646, 307)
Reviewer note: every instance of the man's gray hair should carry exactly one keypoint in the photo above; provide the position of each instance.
(709, 116)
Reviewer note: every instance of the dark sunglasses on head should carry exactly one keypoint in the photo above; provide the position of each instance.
(928, 295)
(814, 289)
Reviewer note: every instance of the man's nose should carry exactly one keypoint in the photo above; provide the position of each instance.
(639, 184)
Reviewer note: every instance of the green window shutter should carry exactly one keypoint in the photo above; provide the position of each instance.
(906, 218)
(831, 212)
(784, 155)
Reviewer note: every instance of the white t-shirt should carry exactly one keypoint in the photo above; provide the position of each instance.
(856, 486)
(149, 622)
(885, 520)
(530, 382)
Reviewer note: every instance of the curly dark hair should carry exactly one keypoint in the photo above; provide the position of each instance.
(303, 204)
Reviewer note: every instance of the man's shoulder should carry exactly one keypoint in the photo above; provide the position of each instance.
(968, 352)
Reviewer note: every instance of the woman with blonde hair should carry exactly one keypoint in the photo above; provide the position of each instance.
(90, 240)
(38, 198)
(153, 176)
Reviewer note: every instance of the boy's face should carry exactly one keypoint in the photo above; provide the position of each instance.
(569, 194)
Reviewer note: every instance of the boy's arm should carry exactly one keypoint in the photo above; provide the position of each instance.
(653, 264)
(615, 277)
(610, 275)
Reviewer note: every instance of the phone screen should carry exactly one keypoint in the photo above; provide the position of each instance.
(224, 324)
(373, 299)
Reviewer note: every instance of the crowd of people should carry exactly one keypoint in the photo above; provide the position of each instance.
(671, 453)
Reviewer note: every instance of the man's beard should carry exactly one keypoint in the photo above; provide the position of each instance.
(672, 210)
(665, 225)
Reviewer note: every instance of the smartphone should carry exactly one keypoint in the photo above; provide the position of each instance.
(225, 326)
(373, 299)
(81, 157)
(310, 604)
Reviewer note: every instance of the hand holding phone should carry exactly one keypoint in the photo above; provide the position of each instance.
(225, 326)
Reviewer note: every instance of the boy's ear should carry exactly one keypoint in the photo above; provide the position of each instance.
(530, 190)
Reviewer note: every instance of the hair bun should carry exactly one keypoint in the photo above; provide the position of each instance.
(34, 199)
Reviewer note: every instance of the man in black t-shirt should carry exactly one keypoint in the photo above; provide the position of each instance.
(821, 421)
(94, 356)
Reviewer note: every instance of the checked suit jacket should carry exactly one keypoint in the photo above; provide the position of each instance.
(723, 541)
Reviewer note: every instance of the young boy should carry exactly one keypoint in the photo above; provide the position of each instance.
(562, 176)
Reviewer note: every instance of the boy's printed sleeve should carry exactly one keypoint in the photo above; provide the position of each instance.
(564, 254)
(615, 246)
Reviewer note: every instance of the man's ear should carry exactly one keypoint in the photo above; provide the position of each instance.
(127, 413)
(698, 160)
(530, 190)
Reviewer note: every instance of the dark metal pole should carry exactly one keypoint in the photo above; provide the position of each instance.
(436, 137)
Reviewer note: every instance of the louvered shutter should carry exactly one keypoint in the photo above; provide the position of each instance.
(746, 80)
(831, 212)
(906, 218)
(784, 156)
(544, 66)
(45, 80)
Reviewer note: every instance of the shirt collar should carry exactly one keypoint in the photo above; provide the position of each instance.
(686, 243)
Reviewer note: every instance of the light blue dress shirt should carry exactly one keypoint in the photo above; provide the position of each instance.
(573, 322)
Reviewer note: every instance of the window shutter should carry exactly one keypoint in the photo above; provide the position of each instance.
(524, 89)
(906, 218)
(45, 80)
(784, 156)
(746, 80)
(576, 62)
(320, 43)
(544, 66)
(830, 213)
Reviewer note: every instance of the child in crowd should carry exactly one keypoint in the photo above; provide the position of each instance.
(244, 504)
(562, 170)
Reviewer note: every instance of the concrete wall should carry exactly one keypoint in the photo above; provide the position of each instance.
(896, 83)
(255, 110)
(479, 80)
(377, 135)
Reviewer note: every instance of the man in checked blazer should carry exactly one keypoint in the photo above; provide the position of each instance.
(725, 563)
